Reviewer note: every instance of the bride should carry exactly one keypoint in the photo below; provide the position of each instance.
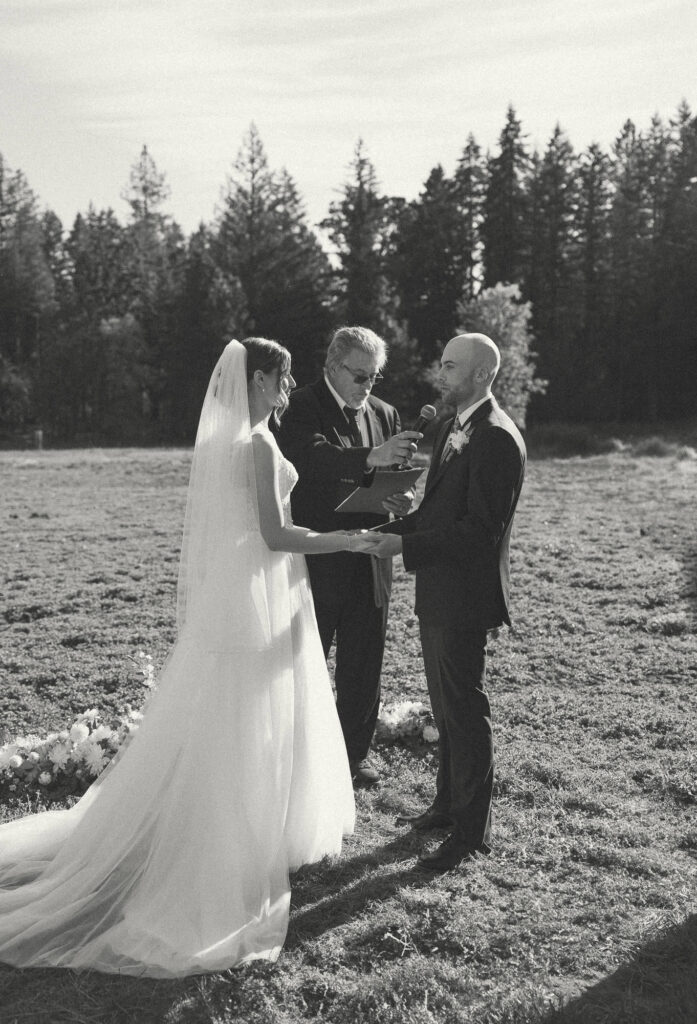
(176, 860)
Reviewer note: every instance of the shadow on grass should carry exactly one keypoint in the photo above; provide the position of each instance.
(658, 986)
(325, 897)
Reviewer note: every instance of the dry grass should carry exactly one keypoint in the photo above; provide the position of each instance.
(586, 911)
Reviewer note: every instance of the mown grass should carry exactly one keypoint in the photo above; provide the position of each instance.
(585, 912)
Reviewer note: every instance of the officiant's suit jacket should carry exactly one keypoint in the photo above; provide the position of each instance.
(316, 437)
(350, 591)
(457, 541)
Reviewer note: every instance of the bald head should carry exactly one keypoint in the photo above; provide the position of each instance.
(469, 365)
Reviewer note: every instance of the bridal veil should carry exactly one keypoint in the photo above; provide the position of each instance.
(176, 859)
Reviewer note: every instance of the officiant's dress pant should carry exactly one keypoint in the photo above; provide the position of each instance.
(455, 663)
(342, 588)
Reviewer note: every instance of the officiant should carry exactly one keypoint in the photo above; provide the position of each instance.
(337, 435)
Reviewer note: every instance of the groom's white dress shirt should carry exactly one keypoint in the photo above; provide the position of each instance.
(469, 412)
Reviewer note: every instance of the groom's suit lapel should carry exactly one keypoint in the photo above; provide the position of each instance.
(438, 467)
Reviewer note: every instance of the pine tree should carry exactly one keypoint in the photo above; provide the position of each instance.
(361, 226)
(431, 264)
(593, 246)
(264, 241)
(470, 190)
(505, 229)
(27, 295)
(156, 247)
(211, 312)
(550, 284)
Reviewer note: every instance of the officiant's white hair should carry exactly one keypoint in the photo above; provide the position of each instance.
(362, 339)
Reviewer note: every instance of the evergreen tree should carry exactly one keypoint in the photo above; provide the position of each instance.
(431, 264)
(156, 247)
(505, 228)
(27, 298)
(630, 262)
(470, 190)
(678, 270)
(550, 284)
(211, 312)
(593, 244)
(100, 292)
(362, 228)
(264, 243)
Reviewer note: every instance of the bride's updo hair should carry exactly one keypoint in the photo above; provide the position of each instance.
(267, 356)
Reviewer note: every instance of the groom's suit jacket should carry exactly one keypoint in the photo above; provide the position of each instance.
(315, 435)
(457, 541)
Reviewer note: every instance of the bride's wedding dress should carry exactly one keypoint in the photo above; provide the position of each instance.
(176, 860)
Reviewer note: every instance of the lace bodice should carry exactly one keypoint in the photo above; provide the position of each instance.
(287, 479)
(287, 476)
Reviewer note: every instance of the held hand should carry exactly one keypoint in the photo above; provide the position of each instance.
(388, 545)
(395, 450)
(364, 543)
(399, 504)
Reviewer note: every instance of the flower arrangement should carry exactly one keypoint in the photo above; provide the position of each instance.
(408, 719)
(65, 763)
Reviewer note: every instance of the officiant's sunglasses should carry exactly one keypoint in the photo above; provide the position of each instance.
(362, 378)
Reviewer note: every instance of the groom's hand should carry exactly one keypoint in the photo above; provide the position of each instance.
(387, 545)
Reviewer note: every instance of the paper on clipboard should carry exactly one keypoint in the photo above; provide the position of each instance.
(385, 483)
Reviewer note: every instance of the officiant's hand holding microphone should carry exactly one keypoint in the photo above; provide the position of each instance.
(400, 504)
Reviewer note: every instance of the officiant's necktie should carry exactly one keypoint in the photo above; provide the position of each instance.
(354, 429)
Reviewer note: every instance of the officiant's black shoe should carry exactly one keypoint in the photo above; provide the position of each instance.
(428, 821)
(364, 774)
(451, 853)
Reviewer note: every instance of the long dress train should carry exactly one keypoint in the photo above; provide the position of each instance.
(176, 860)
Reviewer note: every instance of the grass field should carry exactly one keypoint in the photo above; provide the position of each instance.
(586, 911)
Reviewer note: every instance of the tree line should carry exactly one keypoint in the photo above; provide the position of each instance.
(582, 265)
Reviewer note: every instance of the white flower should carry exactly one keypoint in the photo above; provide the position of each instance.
(34, 757)
(430, 734)
(44, 778)
(63, 735)
(102, 732)
(15, 761)
(89, 716)
(28, 742)
(79, 732)
(7, 753)
(95, 759)
(60, 755)
(458, 439)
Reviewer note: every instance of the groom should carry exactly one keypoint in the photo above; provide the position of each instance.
(336, 433)
(457, 542)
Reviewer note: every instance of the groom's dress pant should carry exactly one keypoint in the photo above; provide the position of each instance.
(342, 588)
(455, 663)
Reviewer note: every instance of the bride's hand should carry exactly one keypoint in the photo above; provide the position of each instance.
(363, 542)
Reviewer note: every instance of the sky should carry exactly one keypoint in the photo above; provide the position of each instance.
(84, 84)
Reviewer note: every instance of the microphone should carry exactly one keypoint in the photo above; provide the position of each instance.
(427, 413)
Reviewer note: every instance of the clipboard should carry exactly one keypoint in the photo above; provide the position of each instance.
(385, 483)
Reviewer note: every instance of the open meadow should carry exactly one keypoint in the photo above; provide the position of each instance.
(585, 912)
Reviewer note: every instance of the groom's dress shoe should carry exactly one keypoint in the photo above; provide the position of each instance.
(427, 821)
(452, 852)
(363, 773)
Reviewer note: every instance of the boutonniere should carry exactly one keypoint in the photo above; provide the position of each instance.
(459, 438)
